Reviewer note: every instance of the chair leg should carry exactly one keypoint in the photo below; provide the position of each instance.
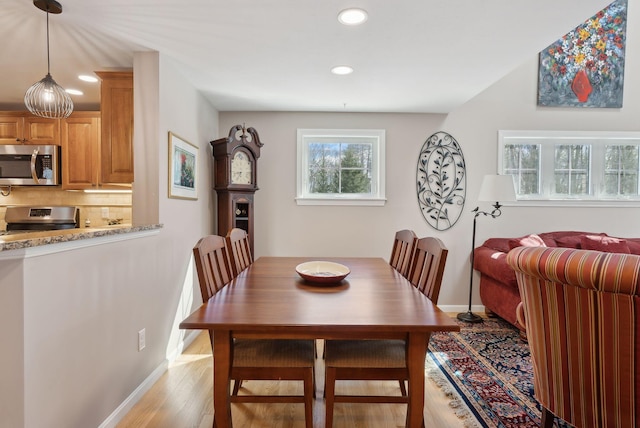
(309, 394)
(313, 371)
(547, 418)
(237, 383)
(403, 388)
(329, 393)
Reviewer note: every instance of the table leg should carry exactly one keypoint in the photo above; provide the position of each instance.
(417, 351)
(221, 373)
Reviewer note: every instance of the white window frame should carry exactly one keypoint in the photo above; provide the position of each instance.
(547, 141)
(377, 195)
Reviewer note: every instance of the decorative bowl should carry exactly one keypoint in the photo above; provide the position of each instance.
(322, 272)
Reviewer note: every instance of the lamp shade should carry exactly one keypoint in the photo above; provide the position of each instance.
(48, 99)
(497, 188)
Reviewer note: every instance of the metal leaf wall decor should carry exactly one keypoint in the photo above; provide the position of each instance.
(441, 181)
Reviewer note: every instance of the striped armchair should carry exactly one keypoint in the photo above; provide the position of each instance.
(582, 310)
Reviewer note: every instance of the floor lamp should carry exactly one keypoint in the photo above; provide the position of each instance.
(494, 188)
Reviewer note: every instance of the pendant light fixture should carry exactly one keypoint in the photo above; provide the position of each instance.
(46, 98)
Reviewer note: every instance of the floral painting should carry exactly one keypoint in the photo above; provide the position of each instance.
(182, 168)
(585, 68)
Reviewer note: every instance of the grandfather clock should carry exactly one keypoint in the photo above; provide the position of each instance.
(235, 181)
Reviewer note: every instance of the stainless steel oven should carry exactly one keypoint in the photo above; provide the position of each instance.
(26, 165)
(32, 219)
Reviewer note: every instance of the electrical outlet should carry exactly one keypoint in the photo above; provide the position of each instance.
(105, 212)
(142, 339)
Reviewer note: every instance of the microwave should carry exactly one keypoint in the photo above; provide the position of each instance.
(27, 165)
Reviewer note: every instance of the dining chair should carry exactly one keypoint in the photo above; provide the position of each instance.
(383, 359)
(256, 359)
(402, 250)
(240, 258)
(240, 250)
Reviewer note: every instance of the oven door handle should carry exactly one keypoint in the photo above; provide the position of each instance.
(34, 174)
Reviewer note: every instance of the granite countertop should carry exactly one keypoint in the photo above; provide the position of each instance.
(34, 239)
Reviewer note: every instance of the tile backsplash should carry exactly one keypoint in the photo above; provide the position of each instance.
(99, 208)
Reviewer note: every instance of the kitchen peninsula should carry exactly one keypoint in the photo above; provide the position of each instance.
(72, 289)
(74, 238)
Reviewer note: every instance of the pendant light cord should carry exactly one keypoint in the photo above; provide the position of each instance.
(48, 59)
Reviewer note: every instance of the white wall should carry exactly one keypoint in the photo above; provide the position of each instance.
(78, 312)
(12, 339)
(283, 228)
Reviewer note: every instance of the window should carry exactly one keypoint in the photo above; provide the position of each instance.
(621, 170)
(340, 167)
(582, 167)
(571, 169)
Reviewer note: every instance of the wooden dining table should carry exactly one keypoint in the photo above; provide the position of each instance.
(270, 300)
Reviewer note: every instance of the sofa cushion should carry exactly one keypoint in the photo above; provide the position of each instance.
(532, 240)
(498, 244)
(634, 245)
(550, 238)
(573, 241)
(605, 244)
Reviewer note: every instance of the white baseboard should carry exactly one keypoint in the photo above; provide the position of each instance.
(126, 406)
(478, 309)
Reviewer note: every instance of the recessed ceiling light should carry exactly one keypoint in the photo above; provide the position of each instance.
(74, 92)
(352, 16)
(88, 78)
(342, 69)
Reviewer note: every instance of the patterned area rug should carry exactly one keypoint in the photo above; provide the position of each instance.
(486, 371)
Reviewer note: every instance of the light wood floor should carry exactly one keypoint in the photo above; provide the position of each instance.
(182, 398)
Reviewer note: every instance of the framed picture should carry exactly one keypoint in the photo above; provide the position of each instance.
(585, 68)
(183, 159)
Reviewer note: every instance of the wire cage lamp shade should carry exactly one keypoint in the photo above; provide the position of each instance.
(46, 98)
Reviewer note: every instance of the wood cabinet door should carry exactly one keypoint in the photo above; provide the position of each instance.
(40, 130)
(80, 150)
(11, 125)
(116, 162)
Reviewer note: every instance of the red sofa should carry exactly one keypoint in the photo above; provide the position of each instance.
(498, 286)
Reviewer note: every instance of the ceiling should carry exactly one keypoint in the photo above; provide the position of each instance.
(276, 55)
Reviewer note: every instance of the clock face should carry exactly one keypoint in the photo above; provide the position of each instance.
(241, 168)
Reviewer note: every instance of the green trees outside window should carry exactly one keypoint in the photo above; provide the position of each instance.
(340, 168)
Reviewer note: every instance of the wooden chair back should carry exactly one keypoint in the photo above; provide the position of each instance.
(402, 251)
(239, 249)
(212, 265)
(427, 266)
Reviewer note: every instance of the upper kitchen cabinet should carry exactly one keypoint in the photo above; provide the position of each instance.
(25, 128)
(80, 135)
(116, 146)
(11, 128)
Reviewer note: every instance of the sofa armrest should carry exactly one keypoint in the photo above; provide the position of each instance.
(493, 263)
